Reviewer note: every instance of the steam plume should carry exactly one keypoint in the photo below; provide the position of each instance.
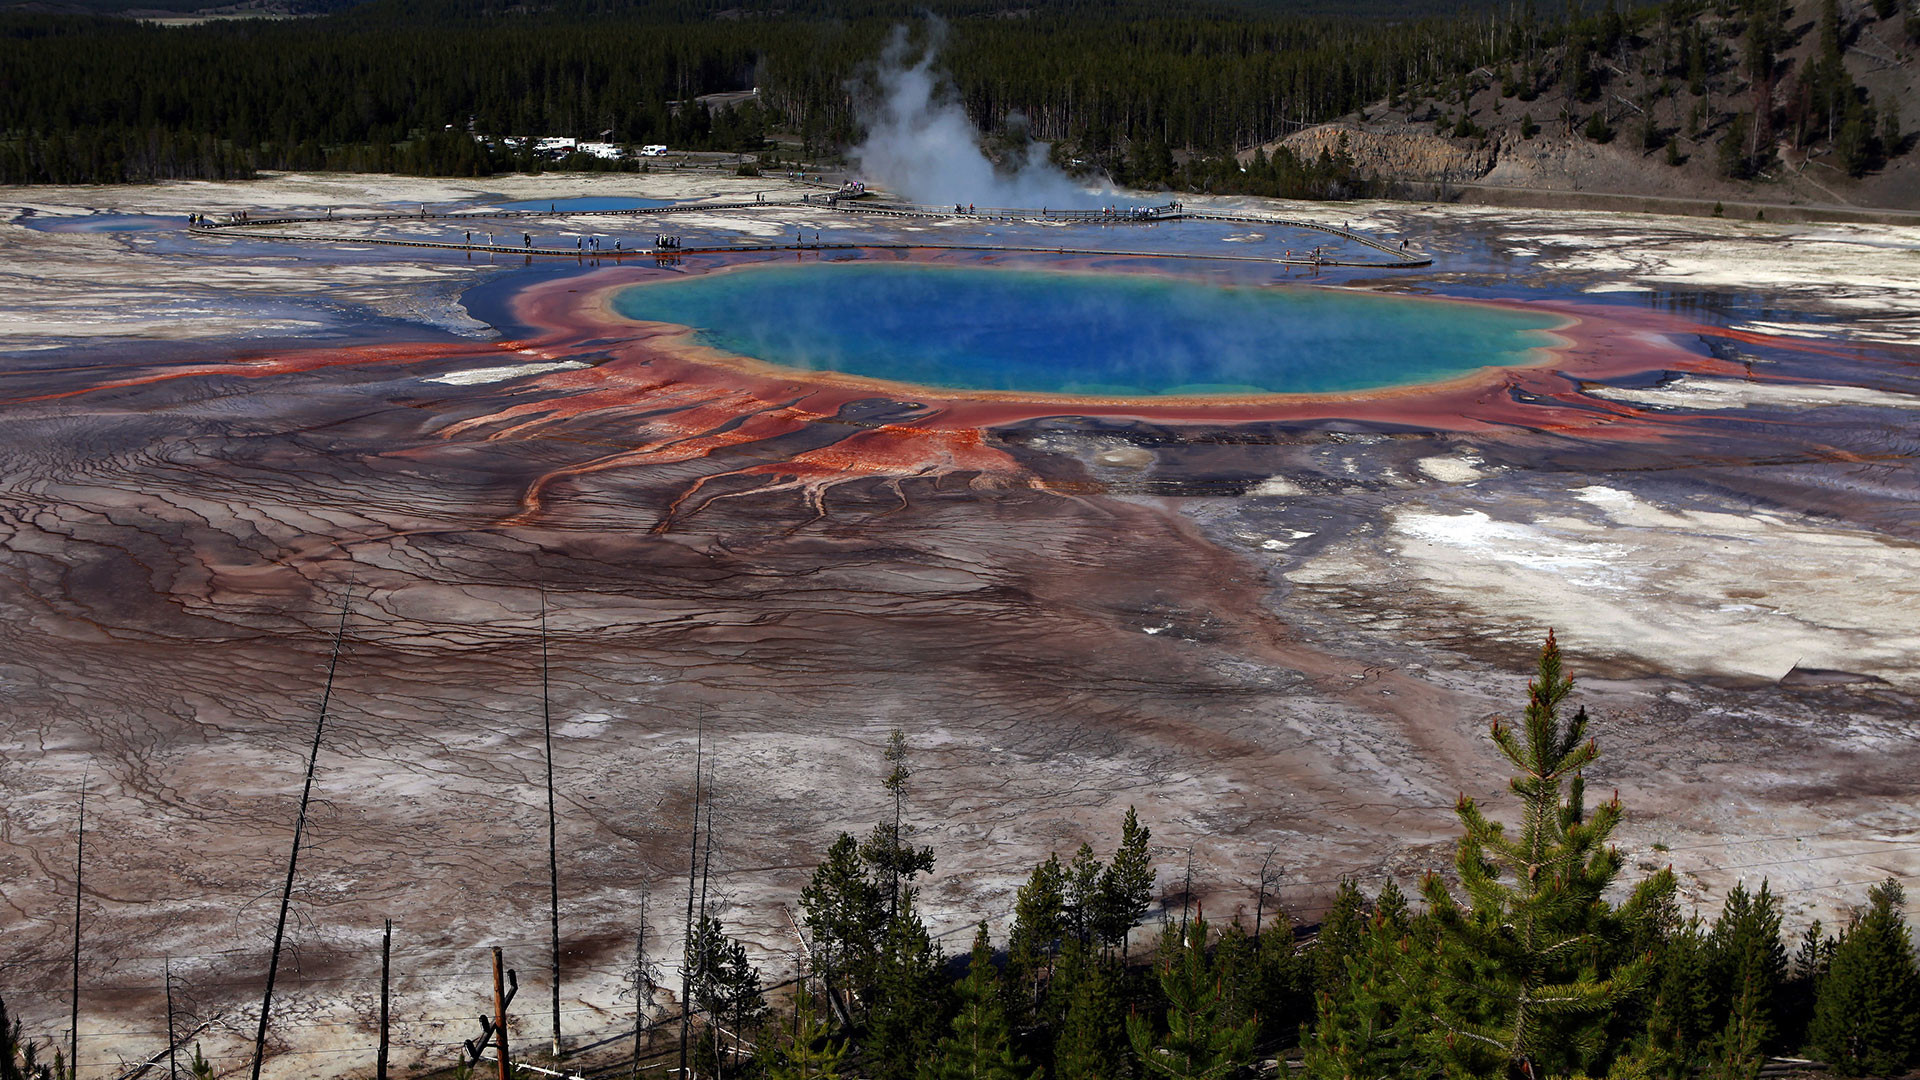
(921, 145)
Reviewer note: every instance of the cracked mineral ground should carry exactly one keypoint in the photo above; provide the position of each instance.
(1271, 624)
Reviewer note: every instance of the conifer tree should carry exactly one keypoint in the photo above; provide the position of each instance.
(1092, 1044)
(1391, 905)
(1039, 924)
(1126, 885)
(1284, 999)
(725, 985)
(909, 998)
(1518, 980)
(1748, 962)
(20, 1057)
(13, 1049)
(1199, 1043)
(1083, 894)
(11, 1045)
(1810, 960)
(1368, 1025)
(890, 846)
(980, 1046)
(846, 918)
(860, 896)
(1678, 1006)
(1863, 1019)
(1235, 969)
(807, 1049)
(1341, 936)
(1737, 1053)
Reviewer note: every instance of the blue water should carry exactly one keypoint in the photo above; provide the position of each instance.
(1078, 333)
(585, 204)
(102, 223)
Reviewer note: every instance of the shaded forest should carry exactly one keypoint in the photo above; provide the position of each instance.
(1153, 95)
(389, 86)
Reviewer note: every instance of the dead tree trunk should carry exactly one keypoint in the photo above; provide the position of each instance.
(299, 829)
(386, 998)
(79, 860)
(553, 842)
(693, 870)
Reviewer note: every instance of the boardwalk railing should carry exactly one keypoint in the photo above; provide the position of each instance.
(1399, 257)
(1116, 215)
(237, 221)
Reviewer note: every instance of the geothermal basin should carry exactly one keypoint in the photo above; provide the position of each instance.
(1025, 332)
(1112, 553)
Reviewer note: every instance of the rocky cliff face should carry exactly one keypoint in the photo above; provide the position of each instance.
(1658, 136)
(1401, 151)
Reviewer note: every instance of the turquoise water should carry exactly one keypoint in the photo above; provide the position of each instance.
(1074, 333)
(585, 204)
(102, 223)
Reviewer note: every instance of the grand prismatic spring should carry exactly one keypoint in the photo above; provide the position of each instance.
(1167, 514)
(1034, 332)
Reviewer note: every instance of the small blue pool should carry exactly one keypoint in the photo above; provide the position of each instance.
(585, 204)
(103, 223)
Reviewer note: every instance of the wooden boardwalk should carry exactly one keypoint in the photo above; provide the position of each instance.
(266, 228)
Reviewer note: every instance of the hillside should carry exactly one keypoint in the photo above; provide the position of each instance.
(1654, 102)
(1663, 104)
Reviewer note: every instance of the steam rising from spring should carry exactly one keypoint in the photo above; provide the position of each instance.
(921, 144)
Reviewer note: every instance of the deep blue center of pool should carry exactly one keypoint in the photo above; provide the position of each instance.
(1081, 333)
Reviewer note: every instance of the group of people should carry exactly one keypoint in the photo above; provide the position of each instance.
(585, 244)
(1136, 213)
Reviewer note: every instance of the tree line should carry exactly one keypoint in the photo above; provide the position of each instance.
(1519, 964)
(396, 86)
